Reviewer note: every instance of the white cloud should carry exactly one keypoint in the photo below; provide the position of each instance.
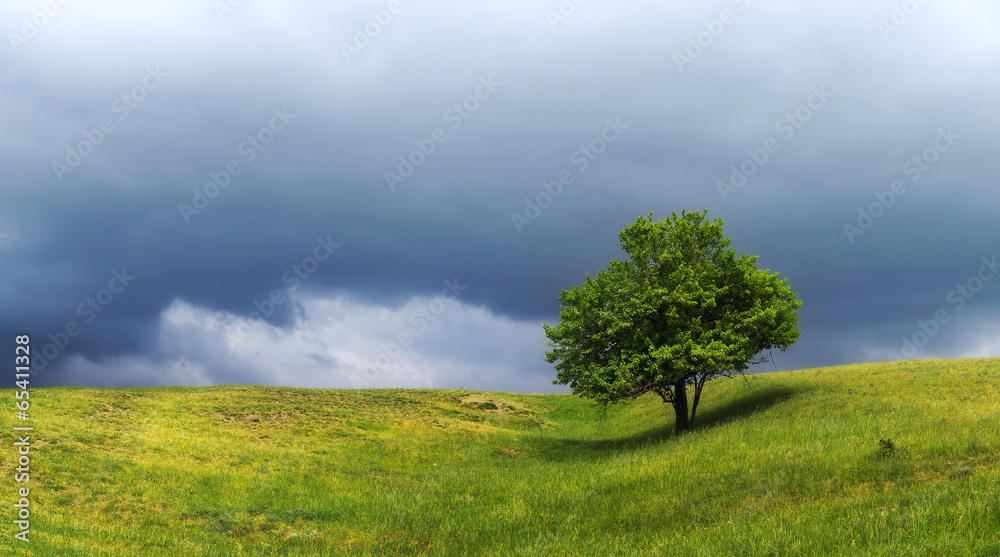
(131, 371)
(340, 342)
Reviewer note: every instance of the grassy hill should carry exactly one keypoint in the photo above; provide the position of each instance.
(780, 464)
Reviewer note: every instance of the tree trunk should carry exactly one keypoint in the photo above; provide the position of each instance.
(697, 396)
(681, 408)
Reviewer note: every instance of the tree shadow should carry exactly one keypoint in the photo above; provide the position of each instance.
(743, 406)
(756, 400)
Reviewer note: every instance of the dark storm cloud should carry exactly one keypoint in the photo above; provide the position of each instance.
(499, 102)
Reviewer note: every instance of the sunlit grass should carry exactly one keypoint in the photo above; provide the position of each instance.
(779, 464)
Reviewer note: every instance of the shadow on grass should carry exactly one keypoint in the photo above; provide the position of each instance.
(745, 405)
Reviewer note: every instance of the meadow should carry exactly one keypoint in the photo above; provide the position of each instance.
(890, 459)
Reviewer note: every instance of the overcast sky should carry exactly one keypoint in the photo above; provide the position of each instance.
(337, 194)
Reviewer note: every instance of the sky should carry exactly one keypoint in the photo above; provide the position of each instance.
(394, 193)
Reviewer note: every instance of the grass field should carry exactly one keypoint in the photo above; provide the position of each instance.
(879, 459)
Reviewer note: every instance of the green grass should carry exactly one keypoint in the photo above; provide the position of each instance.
(878, 459)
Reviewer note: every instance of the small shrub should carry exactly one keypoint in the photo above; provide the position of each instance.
(488, 406)
(888, 449)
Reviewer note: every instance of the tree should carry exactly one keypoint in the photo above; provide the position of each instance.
(683, 309)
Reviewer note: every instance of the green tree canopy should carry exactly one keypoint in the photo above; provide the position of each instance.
(683, 309)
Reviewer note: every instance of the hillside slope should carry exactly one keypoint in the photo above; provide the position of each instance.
(887, 459)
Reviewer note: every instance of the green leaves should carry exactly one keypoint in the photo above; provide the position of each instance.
(683, 307)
